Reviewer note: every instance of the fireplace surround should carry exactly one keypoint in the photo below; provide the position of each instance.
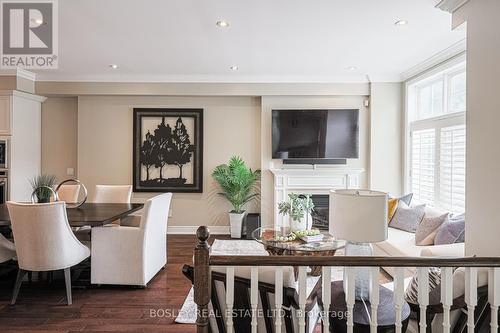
(314, 181)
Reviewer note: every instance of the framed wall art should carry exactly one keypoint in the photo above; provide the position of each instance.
(168, 150)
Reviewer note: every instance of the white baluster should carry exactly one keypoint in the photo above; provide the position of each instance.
(326, 296)
(446, 296)
(374, 298)
(471, 296)
(229, 298)
(254, 295)
(278, 297)
(423, 295)
(350, 298)
(302, 299)
(494, 296)
(399, 290)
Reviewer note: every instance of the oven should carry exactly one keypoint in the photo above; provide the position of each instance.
(4, 187)
(3, 153)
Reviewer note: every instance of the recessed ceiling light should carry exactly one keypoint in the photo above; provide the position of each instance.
(233, 68)
(114, 66)
(401, 22)
(352, 68)
(222, 24)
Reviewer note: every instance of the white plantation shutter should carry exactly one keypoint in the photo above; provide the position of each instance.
(436, 129)
(452, 169)
(423, 164)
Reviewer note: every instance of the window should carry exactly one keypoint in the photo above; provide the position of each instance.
(436, 144)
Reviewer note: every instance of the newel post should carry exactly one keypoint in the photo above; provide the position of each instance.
(202, 276)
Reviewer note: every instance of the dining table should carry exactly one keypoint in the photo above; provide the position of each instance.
(88, 214)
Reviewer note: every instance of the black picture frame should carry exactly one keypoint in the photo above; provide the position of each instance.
(145, 153)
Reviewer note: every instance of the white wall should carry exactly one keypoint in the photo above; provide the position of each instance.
(310, 102)
(231, 127)
(386, 136)
(483, 121)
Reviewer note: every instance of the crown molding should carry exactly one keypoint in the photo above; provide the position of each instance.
(49, 88)
(450, 5)
(22, 73)
(453, 51)
(382, 78)
(23, 94)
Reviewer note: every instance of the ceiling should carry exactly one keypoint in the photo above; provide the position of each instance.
(269, 40)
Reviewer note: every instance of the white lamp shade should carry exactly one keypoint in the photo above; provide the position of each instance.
(358, 216)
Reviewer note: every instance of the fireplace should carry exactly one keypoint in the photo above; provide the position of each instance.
(320, 215)
(316, 181)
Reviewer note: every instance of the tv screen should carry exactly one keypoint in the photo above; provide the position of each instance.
(315, 134)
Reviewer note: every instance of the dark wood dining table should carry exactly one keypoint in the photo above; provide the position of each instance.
(89, 214)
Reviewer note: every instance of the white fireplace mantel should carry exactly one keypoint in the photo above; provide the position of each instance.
(311, 181)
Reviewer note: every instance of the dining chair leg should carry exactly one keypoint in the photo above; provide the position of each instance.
(67, 280)
(20, 275)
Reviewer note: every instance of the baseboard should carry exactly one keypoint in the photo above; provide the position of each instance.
(191, 230)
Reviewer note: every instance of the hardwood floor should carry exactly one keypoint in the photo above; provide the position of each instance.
(41, 307)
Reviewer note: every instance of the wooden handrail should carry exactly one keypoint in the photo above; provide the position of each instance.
(203, 261)
(348, 261)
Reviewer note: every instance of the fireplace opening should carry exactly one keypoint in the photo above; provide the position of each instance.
(320, 215)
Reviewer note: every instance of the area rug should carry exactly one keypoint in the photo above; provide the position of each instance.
(187, 313)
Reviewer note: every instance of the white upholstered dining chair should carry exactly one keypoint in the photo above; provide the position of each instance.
(44, 241)
(7, 249)
(69, 193)
(132, 255)
(112, 193)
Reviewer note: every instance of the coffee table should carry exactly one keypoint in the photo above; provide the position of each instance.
(327, 247)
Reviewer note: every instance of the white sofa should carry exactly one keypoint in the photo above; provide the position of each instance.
(400, 243)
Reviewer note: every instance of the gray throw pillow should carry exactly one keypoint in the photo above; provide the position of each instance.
(407, 218)
(451, 231)
(405, 198)
(428, 228)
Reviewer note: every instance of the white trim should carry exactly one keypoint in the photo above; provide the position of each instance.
(22, 73)
(24, 95)
(457, 50)
(191, 230)
(450, 6)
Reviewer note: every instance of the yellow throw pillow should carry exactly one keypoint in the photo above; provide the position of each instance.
(392, 205)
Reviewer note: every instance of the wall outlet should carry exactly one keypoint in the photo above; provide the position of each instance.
(70, 171)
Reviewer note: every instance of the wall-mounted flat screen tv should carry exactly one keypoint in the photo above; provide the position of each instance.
(315, 134)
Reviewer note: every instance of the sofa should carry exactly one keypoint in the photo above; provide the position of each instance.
(401, 243)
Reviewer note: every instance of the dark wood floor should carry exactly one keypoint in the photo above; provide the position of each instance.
(41, 307)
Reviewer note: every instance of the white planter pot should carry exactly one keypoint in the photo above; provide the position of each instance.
(236, 223)
(304, 224)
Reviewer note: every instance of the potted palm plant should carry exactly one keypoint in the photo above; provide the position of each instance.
(239, 186)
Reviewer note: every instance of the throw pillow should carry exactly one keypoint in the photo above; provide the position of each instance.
(407, 218)
(405, 198)
(428, 228)
(451, 231)
(392, 205)
(411, 293)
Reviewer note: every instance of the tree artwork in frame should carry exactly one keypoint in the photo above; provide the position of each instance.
(168, 150)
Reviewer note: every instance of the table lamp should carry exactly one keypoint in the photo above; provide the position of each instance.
(360, 218)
